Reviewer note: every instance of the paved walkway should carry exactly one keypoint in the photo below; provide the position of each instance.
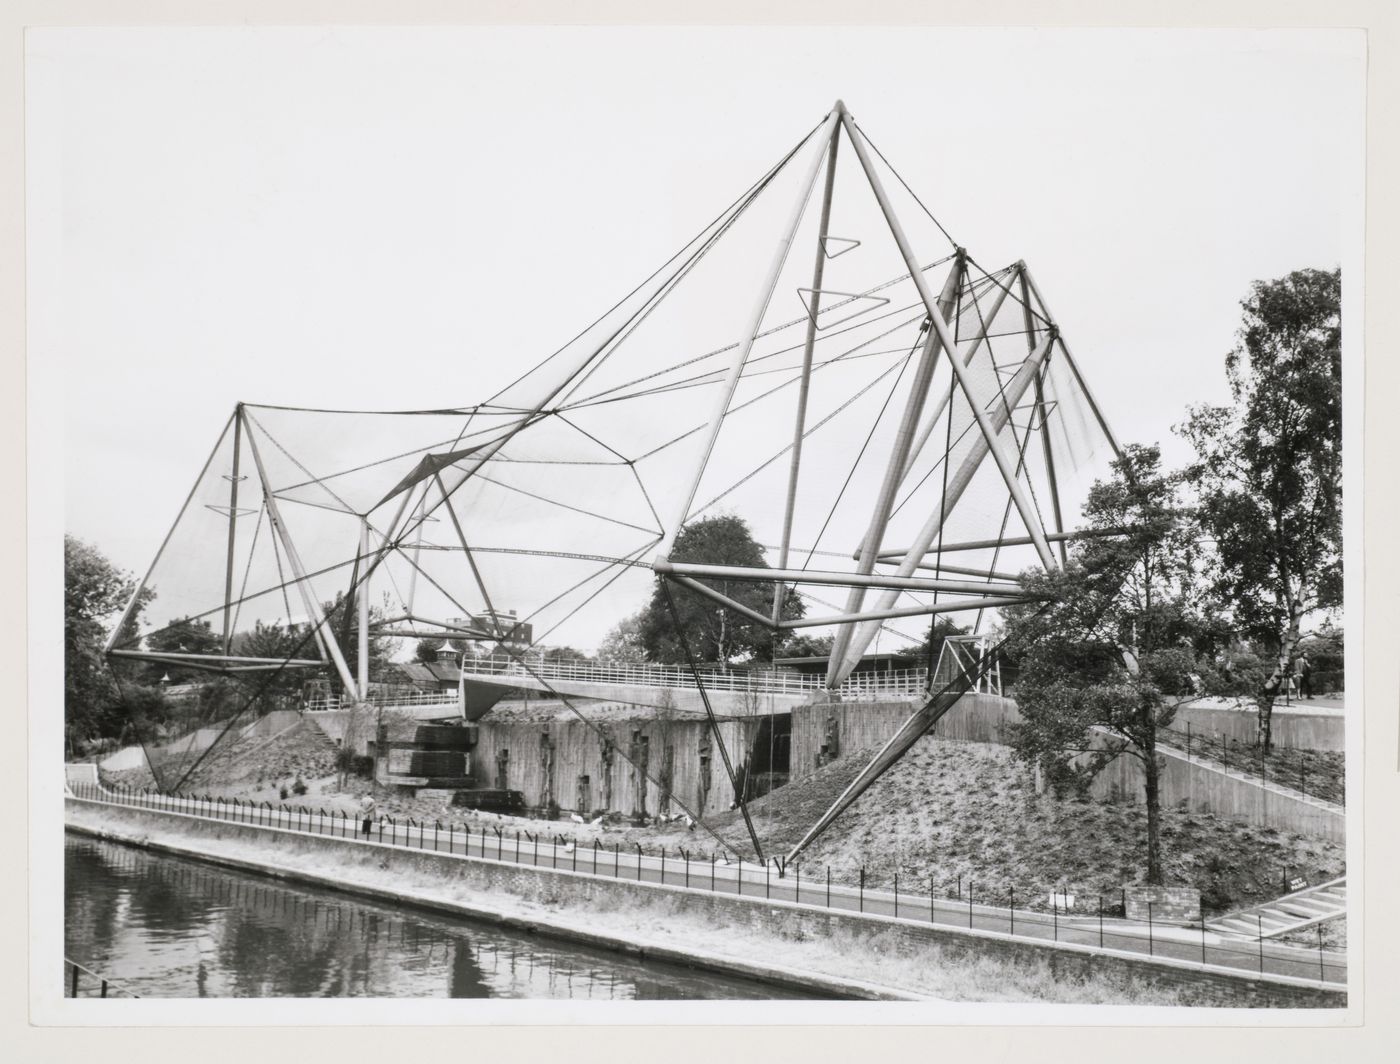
(1203, 945)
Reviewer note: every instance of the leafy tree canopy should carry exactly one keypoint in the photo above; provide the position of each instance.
(713, 632)
(1268, 469)
(1111, 653)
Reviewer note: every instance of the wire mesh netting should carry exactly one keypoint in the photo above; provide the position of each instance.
(784, 367)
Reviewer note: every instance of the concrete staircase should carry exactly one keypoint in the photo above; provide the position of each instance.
(1292, 912)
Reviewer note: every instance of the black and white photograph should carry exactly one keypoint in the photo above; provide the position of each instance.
(636, 524)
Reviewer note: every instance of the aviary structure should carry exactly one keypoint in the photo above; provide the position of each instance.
(903, 433)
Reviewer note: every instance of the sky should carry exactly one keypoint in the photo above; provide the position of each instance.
(406, 218)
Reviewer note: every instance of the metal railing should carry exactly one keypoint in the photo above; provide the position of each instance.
(79, 981)
(765, 681)
(416, 698)
(923, 902)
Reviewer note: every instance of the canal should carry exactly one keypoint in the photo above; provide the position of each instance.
(164, 926)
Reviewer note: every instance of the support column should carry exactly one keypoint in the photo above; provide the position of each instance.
(1041, 411)
(362, 597)
(314, 616)
(818, 273)
(741, 356)
(1023, 504)
(898, 460)
(1074, 368)
(232, 525)
(957, 484)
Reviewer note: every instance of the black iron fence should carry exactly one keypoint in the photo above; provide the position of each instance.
(1096, 922)
(80, 982)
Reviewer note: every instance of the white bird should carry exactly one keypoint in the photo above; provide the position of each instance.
(577, 819)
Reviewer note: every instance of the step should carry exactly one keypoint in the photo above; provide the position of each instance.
(1299, 908)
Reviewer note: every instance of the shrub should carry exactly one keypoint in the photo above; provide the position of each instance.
(282, 793)
(298, 786)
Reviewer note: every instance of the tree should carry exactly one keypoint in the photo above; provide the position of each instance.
(711, 631)
(94, 590)
(276, 642)
(343, 623)
(1268, 470)
(808, 646)
(188, 635)
(623, 644)
(427, 649)
(1109, 657)
(927, 651)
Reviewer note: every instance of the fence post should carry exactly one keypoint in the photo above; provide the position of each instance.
(896, 895)
(740, 866)
(1188, 740)
(1203, 939)
(663, 864)
(537, 851)
(828, 886)
(1150, 949)
(932, 910)
(862, 888)
(1261, 942)
(1013, 910)
(969, 903)
(798, 870)
(517, 847)
(1055, 913)
(616, 848)
(104, 988)
(1321, 965)
(436, 826)
(767, 881)
(639, 862)
(75, 981)
(1100, 921)
(712, 872)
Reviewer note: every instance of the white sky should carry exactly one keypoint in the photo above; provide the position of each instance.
(407, 218)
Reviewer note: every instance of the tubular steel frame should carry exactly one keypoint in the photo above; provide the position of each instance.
(856, 625)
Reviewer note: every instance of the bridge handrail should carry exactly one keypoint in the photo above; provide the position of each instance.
(661, 675)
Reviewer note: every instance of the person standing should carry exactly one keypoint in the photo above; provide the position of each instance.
(1305, 689)
(366, 814)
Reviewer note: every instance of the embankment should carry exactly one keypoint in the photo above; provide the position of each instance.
(844, 954)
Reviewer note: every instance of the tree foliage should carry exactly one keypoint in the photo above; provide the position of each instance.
(714, 633)
(623, 643)
(94, 592)
(1268, 470)
(1112, 652)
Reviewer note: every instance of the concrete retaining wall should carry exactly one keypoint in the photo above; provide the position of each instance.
(1209, 788)
(546, 760)
(1294, 727)
(746, 916)
(859, 725)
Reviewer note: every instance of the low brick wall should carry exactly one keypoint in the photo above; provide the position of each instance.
(750, 916)
(1170, 905)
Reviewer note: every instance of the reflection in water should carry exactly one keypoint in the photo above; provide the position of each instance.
(166, 927)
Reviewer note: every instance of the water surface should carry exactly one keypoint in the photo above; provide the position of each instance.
(164, 926)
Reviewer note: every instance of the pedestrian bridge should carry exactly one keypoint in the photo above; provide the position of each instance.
(731, 692)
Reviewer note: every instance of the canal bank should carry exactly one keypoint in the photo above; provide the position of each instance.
(144, 830)
(183, 928)
(855, 956)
